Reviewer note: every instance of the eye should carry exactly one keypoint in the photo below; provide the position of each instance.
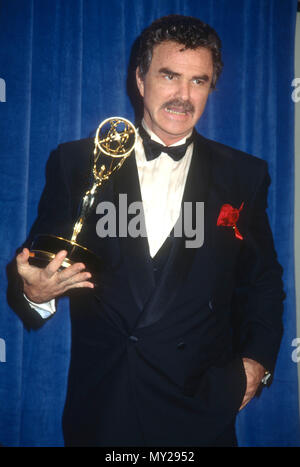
(169, 77)
(198, 81)
(201, 81)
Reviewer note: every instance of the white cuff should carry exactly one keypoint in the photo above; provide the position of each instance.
(44, 309)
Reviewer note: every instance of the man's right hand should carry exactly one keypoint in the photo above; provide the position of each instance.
(42, 285)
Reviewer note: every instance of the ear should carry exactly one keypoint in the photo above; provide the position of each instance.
(139, 81)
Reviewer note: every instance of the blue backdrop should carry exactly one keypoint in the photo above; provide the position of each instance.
(65, 63)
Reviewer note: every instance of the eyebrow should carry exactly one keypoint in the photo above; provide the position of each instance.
(167, 71)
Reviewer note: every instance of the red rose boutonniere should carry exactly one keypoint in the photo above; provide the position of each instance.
(229, 216)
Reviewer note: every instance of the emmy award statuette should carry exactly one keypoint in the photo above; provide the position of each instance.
(114, 141)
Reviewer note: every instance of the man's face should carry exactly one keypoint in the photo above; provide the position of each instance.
(175, 89)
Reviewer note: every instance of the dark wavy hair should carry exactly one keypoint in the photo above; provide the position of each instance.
(186, 30)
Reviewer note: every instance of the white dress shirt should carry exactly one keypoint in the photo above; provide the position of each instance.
(162, 183)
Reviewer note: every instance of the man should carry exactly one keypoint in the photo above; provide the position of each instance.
(176, 339)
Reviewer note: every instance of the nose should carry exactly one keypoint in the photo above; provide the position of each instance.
(184, 90)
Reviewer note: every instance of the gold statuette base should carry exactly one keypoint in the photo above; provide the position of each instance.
(44, 248)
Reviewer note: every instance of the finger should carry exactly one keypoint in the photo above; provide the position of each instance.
(247, 398)
(69, 272)
(55, 264)
(23, 266)
(22, 258)
(79, 285)
(79, 277)
(244, 402)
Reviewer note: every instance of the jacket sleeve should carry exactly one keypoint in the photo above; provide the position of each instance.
(53, 217)
(259, 296)
(54, 211)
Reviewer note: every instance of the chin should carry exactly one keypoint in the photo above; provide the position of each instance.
(177, 130)
(177, 127)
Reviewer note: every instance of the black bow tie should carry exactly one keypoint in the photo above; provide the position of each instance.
(154, 149)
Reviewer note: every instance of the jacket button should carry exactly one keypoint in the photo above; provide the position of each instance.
(133, 338)
(181, 345)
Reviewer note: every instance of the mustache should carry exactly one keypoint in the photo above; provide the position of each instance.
(184, 106)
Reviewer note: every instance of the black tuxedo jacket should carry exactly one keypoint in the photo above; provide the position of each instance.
(157, 360)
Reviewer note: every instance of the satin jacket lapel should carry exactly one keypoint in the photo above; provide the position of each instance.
(181, 258)
(135, 251)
